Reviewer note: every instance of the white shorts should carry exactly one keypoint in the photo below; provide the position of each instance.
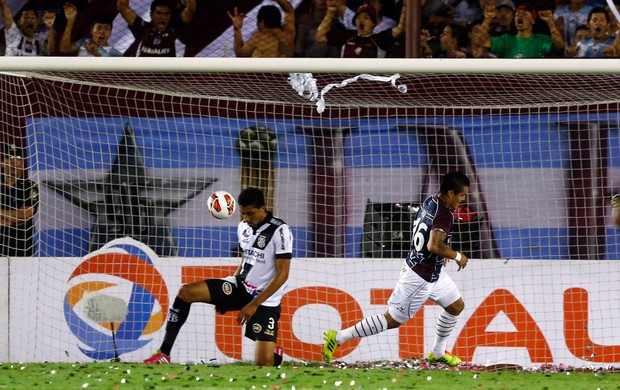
(412, 291)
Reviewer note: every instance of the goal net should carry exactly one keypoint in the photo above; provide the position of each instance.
(124, 159)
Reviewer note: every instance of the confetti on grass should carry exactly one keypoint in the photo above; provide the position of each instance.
(422, 364)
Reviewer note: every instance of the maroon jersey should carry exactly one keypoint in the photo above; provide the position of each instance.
(151, 42)
(434, 214)
(357, 46)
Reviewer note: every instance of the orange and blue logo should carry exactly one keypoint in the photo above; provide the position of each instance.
(121, 264)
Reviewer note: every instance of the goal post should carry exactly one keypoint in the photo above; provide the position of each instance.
(315, 65)
(125, 152)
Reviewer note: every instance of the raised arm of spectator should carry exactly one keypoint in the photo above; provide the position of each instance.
(399, 29)
(489, 15)
(288, 30)
(425, 48)
(7, 16)
(66, 45)
(237, 21)
(187, 15)
(126, 11)
(289, 16)
(326, 24)
(49, 18)
(557, 36)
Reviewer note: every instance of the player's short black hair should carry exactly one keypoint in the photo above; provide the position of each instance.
(26, 8)
(453, 181)
(102, 19)
(251, 196)
(598, 10)
(270, 15)
(162, 3)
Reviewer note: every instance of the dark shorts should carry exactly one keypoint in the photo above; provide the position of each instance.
(263, 326)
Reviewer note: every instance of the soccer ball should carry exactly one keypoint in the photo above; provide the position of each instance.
(221, 204)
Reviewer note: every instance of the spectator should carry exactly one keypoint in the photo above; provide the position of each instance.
(504, 19)
(95, 46)
(359, 43)
(273, 39)
(305, 42)
(571, 16)
(601, 44)
(453, 40)
(383, 22)
(582, 33)
(523, 44)
(158, 37)
(433, 28)
(19, 198)
(475, 48)
(22, 38)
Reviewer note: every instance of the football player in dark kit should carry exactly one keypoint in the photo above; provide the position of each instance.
(19, 198)
(256, 288)
(422, 276)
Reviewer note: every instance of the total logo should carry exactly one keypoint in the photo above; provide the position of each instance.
(111, 297)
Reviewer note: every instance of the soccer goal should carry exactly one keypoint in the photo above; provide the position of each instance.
(125, 153)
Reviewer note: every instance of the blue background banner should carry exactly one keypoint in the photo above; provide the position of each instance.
(511, 154)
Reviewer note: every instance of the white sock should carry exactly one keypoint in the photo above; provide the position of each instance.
(445, 323)
(366, 327)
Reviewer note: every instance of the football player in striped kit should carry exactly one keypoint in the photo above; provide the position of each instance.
(422, 276)
(256, 288)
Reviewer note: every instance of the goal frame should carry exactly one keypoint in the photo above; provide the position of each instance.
(319, 65)
(371, 293)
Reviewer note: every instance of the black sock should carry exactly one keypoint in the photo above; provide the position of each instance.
(277, 360)
(177, 315)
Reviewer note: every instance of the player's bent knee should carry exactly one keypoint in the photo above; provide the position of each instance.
(194, 292)
(184, 293)
(456, 307)
(391, 322)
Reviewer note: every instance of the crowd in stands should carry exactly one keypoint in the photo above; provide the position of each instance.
(318, 28)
